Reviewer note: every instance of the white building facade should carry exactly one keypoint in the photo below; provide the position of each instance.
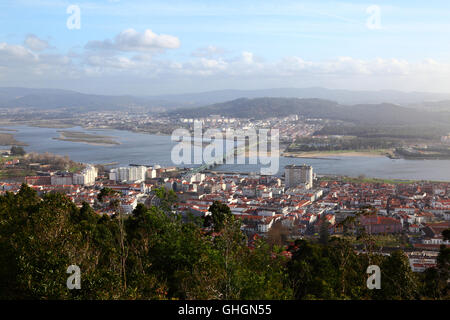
(298, 175)
(128, 174)
(86, 177)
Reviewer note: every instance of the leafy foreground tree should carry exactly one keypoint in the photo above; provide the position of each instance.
(229, 269)
(153, 254)
(332, 271)
(164, 257)
(323, 232)
(336, 271)
(42, 237)
(220, 214)
(435, 281)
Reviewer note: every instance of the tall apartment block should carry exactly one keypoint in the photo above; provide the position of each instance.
(298, 176)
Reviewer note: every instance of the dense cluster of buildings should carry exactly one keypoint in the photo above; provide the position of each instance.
(85, 177)
(289, 127)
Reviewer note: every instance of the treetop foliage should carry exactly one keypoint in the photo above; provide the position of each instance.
(153, 254)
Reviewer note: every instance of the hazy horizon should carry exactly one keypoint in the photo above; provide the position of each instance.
(224, 90)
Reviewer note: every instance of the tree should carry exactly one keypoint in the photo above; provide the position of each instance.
(332, 271)
(435, 280)
(151, 254)
(219, 213)
(40, 238)
(106, 192)
(350, 267)
(348, 225)
(277, 235)
(397, 279)
(168, 199)
(17, 151)
(262, 273)
(324, 230)
(44, 247)
(446, 234)
(311, 271)
(163, 249)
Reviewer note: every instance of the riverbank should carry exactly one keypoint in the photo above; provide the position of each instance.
(363, 179)
(338, 153)
(54, 124)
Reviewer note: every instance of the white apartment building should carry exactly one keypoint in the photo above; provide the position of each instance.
(151, 173)
(137, 173)
(128, 174)
(86, 177)
(298, 175)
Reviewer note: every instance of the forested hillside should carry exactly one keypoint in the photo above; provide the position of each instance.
(374, 114)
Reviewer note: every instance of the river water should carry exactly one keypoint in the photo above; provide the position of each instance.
(146, 149)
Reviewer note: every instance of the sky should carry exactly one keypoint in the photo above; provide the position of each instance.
(167, 47)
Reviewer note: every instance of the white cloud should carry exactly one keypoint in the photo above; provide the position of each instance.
(21, 66)
(132, 40)
(134, 60)
(111, 62)
(11, 54)
(35, 44)
(247, 57)
(208, 52)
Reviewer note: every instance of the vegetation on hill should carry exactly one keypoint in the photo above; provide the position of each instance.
(416, 131)
(262, 108)
(305, 144)
(52, 161)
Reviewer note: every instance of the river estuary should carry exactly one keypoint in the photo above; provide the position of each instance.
(150, 149)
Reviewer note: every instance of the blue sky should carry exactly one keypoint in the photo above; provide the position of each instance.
(152, 47)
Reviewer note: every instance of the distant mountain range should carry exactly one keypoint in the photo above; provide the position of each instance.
(340, 96)
(373, 114)
(55, 98)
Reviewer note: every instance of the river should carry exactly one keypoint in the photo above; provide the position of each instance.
(147, 149)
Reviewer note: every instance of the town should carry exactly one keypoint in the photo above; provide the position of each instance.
(298, 205)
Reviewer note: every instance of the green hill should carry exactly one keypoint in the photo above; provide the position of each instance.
(262, 108)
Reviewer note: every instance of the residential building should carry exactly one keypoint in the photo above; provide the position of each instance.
(298, 176)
